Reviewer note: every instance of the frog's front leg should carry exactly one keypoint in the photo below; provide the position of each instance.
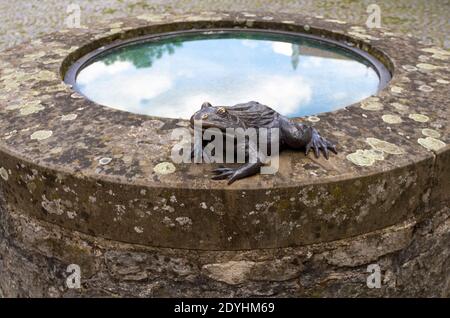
(249, 169)
(300, 136)
(233, 174)
(318, 143)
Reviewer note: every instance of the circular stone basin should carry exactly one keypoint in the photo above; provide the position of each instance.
(90, 185)
(170, 75)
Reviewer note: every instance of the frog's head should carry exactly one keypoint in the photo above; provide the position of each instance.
(215, 117)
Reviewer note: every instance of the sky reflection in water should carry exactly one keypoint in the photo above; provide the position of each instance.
(173, 77)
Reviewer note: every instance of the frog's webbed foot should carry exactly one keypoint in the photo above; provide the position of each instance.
(233, 174)
(318, 143)
(223, 173)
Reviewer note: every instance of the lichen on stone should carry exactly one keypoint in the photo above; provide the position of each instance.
(431, 133)
(384, 146)
(164, 168)
(391, 119)
(116, 25)
(442, 81)
(372, 104)
(52, 206)
(69, 117)
(428, 67)
(436, 50)
(63, 51)
(365, 157)
(184, 221)
(139, 229)
(426, 88)
(409, 68)
(105, 161)
(336, 21)
(76, 95)
(31, 108)
(419, 118)
(440, 56)
(400, 107)
(33, 56)
(431, 143)
(51, 61)
(313, 119)
(4, 174)
(362, 36)
(396, 89)
(45, 75)
(41, 135)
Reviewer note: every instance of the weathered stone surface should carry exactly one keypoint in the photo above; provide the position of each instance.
(231, 272)
(373, 247)
(83, 184)
(414, 259)
(89, 173)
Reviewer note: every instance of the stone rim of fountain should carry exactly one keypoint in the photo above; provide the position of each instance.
(67, 160)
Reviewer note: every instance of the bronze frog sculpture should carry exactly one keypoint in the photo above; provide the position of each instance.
(255, 115)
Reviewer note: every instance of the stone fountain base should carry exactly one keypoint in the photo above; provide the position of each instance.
(413, 259)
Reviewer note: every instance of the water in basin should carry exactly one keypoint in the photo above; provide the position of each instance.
(174, 75)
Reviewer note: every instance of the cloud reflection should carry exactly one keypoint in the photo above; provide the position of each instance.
(227, 72)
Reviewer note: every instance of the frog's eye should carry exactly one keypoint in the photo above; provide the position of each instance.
(221, 110)
(204, 116)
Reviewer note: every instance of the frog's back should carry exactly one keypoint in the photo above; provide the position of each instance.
(254, 114)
